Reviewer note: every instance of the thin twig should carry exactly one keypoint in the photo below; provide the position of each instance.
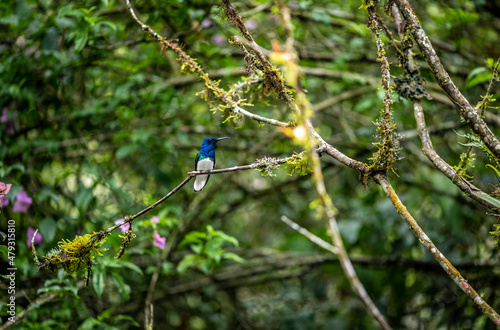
(150, 207)
(485, 101)
(270, 121)
(427, 148)
(310, 236)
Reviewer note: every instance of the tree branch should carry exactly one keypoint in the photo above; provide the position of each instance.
(427, 148)
(442, 77)
(310, 236)
(453, 273)
(265, 162)
(190, 66)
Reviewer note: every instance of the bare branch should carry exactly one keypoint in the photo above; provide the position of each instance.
(310, 236)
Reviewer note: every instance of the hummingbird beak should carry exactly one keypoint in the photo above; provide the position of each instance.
(222, 138)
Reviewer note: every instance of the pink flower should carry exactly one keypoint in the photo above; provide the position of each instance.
(36, 241)
(206, 22)
(22, 203)
(219, 39)
(5, 115)
(30, 50)
(5, 188)
(155, 219)
(251, 24)
(123, 227)
(9, 123)
(4, 201)
(159, 241)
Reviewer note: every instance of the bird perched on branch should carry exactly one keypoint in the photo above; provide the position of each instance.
(205, 161)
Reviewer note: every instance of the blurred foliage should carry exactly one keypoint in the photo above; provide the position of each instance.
(97, 124)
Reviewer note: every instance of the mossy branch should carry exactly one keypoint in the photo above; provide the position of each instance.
(231, 106)
(388, 146)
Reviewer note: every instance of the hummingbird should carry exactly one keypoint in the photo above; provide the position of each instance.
(205, 161)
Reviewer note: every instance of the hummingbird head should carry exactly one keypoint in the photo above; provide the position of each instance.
(210, 142)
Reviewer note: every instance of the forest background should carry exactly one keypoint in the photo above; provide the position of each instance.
(101, 117)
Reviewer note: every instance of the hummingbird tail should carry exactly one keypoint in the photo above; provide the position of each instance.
(200, 181)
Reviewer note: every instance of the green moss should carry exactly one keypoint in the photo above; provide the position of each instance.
(76, 255)
(496, 235)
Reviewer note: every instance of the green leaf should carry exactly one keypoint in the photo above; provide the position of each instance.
(68, 10)
(83, 198)
(92, 323)
(4, 249)
(320, 16)
(478, 76)
(167, 268)
(193, 237)
(48, 229)
(131, 265)
(118, 190)
(105, 314)
(233, 256)
(187, 262)
(489, 198)
(226, 237)
(81, 40)
(99, 279)
(494, 169)
(205, 265)
(125, 150)
(18, 166)
(111, 25)
(120, 318)
(123, 288)
(197, 248)
(53, 288)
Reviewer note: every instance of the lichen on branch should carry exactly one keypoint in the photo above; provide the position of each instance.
(388, 145)
(76, 255)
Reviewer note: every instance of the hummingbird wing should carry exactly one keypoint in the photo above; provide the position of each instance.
(202, 164)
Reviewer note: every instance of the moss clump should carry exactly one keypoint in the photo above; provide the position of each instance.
(76, 255)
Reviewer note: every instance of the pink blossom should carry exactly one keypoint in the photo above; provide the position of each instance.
(219, 39)
(9, 123)
(5, 115)
(5, 188)
(123, 227)
(4, 201)
(22, 203)
(36, 241)
(30, 50)
(251, 24)
(159, 241)
(155, 219)
(206, 22)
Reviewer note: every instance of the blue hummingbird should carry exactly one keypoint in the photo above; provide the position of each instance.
(205, 161)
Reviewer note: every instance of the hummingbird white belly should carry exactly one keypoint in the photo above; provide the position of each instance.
(200, 181)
